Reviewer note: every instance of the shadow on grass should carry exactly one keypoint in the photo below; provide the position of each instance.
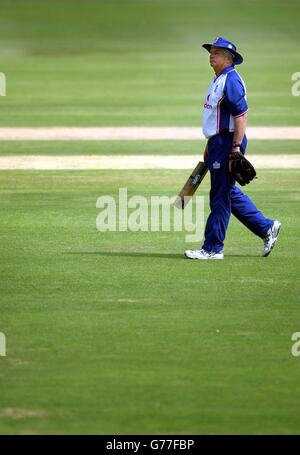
(130, 254)
(150, 255)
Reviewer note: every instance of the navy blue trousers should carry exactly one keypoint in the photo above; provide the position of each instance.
(226, 198)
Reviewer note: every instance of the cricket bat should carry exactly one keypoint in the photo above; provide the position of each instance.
(191, 185)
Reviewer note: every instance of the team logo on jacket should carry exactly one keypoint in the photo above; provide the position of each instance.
(216, 165)
(207, 105)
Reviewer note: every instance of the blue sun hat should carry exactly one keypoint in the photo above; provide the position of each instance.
(228, 45)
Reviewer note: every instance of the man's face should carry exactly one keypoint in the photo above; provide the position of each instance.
(217, 58)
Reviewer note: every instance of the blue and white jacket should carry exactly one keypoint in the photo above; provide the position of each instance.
(224, 101)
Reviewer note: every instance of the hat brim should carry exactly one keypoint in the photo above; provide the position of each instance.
(238, 59)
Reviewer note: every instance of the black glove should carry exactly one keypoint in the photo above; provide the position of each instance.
(240, 169)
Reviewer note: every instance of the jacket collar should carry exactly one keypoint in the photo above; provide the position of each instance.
(225, 71)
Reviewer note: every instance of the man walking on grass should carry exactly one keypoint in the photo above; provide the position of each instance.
(224, 125)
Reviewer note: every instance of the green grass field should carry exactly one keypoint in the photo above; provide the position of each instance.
(57, 148)
(116, 333)
(91, 63)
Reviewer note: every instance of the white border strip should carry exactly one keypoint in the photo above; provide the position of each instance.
(136, 133)
(134, 162)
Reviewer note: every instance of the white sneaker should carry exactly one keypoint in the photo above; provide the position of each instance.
(202, 254)
(271, 238)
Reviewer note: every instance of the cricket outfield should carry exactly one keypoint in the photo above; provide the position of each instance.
(115, 332)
